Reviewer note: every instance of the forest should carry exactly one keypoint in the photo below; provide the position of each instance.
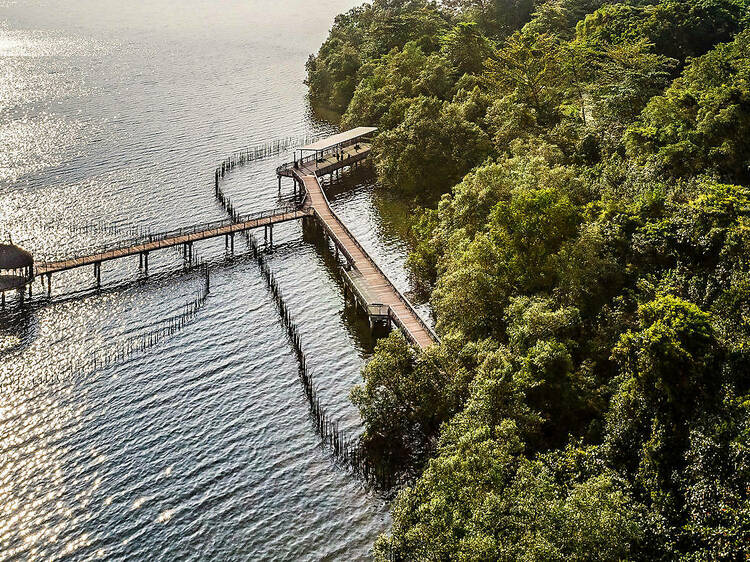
(582, 174)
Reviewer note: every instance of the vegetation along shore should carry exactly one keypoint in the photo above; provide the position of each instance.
(582, 170)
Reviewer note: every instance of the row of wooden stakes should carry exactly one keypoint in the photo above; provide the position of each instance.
(104, 358)
(345, 448)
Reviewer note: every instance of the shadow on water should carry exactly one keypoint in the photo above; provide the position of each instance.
(396, 212)
(18, 328)
(322, 116)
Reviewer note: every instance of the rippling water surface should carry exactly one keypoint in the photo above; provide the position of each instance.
(114, 114)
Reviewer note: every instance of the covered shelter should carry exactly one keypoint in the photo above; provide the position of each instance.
(333, 144)
(16, 268)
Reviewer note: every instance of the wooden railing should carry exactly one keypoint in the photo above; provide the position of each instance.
(289, 166)
(157, 240)
(401, 297)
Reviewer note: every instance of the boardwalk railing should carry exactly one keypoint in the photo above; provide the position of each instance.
(332, 235)
(319, 157)
(157, 240)
(258, 152)
(401, 297)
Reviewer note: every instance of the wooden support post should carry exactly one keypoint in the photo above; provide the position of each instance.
(3, 298)
(49, 285)
(145, 262)
(279, 184)
(98, 273)
(231, 238)
(270, 234)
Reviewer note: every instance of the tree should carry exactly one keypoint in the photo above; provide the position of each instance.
(466, 48)
(495, 17)
(586, 245)
(430, 150)
(405, 398)
(698, 124)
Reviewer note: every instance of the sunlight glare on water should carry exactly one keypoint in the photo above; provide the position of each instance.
(113, 116)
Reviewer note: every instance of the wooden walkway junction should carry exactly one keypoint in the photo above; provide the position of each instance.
(370, 286)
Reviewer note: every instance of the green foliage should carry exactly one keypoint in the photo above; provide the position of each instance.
(678, 29)
(481, 499)
(698, 125)
(523, 231)
(405, 397)
(364, 34)
(434, 144)
(669, 354)
(466, 49)
(586, 247)
(528, 71)
(495, 17)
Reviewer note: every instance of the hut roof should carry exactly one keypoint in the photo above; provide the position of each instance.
(13, 257)
(340, 138)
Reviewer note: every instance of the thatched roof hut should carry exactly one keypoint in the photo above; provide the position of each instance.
(16, 267)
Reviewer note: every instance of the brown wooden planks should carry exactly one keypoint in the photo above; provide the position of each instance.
(71, 263)
(378, 286)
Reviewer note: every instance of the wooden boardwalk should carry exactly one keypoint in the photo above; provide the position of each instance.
(175, 238)
(371, 286)
(368, 280)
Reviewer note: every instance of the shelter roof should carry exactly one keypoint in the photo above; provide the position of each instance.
(340, 138)
(13, 257)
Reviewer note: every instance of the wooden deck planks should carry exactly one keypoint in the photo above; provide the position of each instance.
(55, 267)
(378, 286)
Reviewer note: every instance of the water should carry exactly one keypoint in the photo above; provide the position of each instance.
(201, 448)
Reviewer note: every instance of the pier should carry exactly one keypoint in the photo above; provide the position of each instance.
(368, 285)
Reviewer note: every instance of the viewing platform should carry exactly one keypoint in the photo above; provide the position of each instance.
(330, 154)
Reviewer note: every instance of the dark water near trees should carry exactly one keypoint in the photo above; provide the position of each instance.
(116, 114)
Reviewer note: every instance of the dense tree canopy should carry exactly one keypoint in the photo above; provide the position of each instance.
(584, 168)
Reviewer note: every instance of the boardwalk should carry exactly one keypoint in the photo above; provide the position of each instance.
(185, 236)
(380, 296)
(367, 277)
(370, 285)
